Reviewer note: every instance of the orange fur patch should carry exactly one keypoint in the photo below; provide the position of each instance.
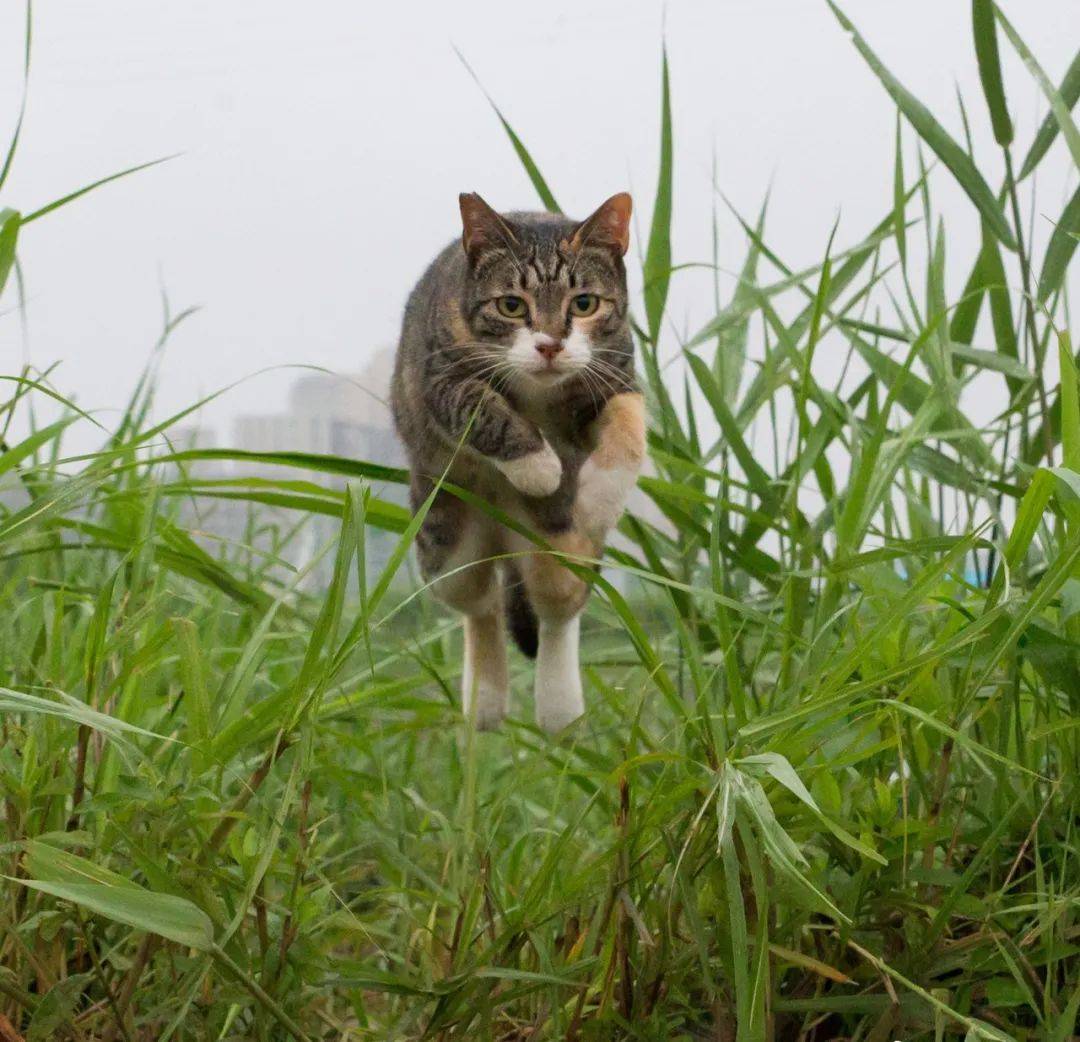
(620, 432)
(555, 591)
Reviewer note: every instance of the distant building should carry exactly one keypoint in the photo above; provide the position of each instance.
(327, 414)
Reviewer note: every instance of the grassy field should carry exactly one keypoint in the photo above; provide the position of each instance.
(827, 784)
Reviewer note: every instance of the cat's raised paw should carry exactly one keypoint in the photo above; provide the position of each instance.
(601, 496)
(537, 474)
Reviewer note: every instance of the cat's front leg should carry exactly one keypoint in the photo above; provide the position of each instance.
(471, 410)
(535, 473)
(611, 471)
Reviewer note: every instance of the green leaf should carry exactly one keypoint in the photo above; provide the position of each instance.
(999, 363)
(54, 1012)
(97, 633)
(71, 709)
(726, 798)
(196, 693)
(1060, 248)
(1069, 91)
(9, 235)
(1058, 105)
(14, 455)
(657, 268)
(781, 849)
(935, 135)
(899, 195)
(72, 878)
(1001, 311)
(13, 145)
(1029, 515)
(79, 192)
(533, 171)
(965, 317)
(757, 477)
(1062, 568)
(313, 671)
(1070, 405)
(986, 52)
(312, 461)
(1063, 1030)
(780, 769)
(731, 339)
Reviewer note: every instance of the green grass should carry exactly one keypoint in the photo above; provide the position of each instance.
(827, 784)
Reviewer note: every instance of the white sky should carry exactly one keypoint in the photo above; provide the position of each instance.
(324, 145)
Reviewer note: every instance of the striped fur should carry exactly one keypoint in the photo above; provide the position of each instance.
(533, 406)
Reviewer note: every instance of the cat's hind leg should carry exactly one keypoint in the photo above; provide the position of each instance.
(485, 675)
(557, 596)
(455, 546)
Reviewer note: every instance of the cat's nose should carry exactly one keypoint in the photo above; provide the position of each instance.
(549, 348)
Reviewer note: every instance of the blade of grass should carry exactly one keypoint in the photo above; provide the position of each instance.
(935, 136)
(656, 270)
(533, 171)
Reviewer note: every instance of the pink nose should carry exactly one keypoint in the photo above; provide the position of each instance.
(550, 349)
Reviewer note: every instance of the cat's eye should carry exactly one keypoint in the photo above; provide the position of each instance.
(584, 304)
(511, 307)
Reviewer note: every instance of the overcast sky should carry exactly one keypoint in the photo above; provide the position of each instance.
(323, 146)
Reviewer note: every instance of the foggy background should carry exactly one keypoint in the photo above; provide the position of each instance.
(323, 146)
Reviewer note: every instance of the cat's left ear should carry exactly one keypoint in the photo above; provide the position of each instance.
(481, 227)
(609, 226)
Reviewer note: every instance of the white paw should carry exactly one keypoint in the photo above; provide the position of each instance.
(601, 496)
(559, 697)
(537, 474)
(490, 708)
(556, 718)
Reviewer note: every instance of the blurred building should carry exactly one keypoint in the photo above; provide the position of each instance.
(327, 414)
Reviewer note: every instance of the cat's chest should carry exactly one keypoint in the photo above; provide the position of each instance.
(557, 419)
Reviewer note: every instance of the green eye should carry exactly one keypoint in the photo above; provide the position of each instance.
(511, 307)
(584, 304)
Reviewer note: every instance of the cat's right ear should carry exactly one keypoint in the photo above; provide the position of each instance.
(609, 226)
(482, 228)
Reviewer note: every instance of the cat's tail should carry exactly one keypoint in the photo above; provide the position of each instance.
(520, 616)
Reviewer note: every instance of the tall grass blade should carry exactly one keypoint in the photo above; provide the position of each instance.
(526, 160)
(986, 51)
(13, 145)
(935, 136)
(656, 270)
(80, 192)
(1060, 249)
(1069, 92)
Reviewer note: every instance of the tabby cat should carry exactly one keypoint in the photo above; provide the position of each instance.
(515, 379)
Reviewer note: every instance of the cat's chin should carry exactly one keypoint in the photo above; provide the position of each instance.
(545, 378)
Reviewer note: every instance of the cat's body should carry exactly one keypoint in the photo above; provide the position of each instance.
(515, 380)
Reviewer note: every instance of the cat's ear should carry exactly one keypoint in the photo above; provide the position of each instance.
(609, 226)
(481, 227)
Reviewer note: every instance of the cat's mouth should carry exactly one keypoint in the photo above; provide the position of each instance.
(551, 372)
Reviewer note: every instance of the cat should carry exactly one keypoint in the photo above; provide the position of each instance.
(514, 377)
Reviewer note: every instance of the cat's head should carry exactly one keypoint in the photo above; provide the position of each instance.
(545, 295)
